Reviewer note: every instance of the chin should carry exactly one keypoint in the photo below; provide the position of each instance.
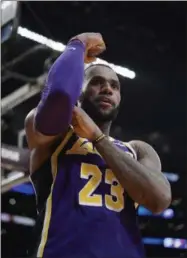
(106, 110)
(97, 113)
(107, 114)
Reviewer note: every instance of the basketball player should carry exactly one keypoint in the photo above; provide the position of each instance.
(87, 183)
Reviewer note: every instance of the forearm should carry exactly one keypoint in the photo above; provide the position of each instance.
(61, 92)
(143, 185)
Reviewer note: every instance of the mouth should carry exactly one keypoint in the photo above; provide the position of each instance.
(105, 102)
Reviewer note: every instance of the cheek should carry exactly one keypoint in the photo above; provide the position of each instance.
(117, 99)
(92, 93)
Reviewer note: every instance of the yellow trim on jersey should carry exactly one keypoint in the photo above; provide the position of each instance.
(131, 148)
(82, 147)
(49, 199)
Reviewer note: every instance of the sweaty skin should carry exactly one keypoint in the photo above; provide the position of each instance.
(51, 118)
(142, 179)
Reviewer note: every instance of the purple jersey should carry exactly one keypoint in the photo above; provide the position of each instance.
(87, 212)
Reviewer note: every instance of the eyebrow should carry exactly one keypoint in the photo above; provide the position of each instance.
(116, 81)
(102, 77)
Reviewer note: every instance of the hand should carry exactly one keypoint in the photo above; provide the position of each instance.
(84, 126)
(94, 45)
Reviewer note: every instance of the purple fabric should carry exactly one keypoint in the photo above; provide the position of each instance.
(61, 92)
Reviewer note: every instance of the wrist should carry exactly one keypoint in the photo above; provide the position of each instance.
(77, 42)
(98, 139)
(95, 134)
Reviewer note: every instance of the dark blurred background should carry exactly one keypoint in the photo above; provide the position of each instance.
(149, 39)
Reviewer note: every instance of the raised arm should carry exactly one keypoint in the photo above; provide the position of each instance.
(62, 90)
(142, 178)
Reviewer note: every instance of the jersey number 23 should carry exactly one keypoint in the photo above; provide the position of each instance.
(87, 196)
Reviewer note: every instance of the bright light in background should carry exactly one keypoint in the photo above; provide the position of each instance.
(22, 220)
(5, 4)
(60, 47)
(172, 177)
(167, 214)
(41, 39)
(176, 243)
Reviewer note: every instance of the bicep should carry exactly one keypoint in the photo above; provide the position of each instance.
(149, 158)
(146, 155)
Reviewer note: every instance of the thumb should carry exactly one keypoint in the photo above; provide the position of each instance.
(73, 120)
(75, 109)
(76, 112)
(88, 58)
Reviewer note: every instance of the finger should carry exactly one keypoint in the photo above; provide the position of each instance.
(74, 121)
(95, 51)
(88, 60)
(75, 110)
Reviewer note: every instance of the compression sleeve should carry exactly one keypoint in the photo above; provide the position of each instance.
(61, 92)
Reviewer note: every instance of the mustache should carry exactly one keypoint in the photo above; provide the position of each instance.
(105, 98)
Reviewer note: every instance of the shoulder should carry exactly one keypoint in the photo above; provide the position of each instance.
(127, 145)
(146, 154)
(142, 147)
(131, 148)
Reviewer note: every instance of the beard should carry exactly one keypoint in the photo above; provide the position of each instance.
(98, 114)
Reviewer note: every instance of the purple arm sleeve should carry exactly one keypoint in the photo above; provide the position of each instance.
(61, 92)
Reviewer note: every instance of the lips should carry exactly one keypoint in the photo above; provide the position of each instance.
(105, 102)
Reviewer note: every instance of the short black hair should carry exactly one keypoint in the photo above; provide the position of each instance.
(95, 65)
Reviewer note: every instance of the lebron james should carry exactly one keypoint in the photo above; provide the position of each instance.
(87, 183)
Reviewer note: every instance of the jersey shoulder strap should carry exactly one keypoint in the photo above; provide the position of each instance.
(131, 149)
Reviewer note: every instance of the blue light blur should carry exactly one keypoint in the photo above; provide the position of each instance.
(174, 243)
(24, 188)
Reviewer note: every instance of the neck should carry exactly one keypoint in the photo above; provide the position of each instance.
(105, 127)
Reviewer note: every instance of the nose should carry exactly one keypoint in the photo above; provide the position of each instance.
(106, 88)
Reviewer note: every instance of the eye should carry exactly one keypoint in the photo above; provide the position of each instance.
(115, 85)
